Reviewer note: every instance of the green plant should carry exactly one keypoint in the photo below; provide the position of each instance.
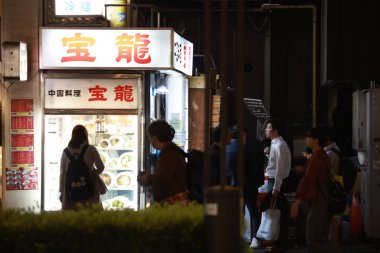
(157, 229)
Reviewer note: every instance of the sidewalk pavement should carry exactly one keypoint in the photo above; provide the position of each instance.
(349, 247)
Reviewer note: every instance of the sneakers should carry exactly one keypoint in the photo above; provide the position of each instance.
(255, 243)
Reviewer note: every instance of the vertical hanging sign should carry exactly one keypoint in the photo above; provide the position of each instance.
(22, 175)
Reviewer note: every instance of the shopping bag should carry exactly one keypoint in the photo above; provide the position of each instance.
(269, 229)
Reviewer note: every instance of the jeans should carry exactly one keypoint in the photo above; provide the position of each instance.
(251, 204)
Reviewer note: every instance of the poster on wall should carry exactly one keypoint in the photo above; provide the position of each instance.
(22, 174)
(21, 179)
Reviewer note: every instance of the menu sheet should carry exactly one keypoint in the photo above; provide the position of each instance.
(23, 175)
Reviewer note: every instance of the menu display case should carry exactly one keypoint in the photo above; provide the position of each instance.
(115, 137)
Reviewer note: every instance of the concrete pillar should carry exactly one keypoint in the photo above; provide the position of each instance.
(20, 22)
(197, 93)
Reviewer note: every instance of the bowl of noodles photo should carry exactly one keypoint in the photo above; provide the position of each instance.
(124, 180)
(126, 160)
(104, 143)
(107, 178)
(120, 202)
(117, 141)
(113, 163)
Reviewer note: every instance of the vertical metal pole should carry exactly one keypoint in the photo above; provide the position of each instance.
(222, 203)
(224, 79)
(239, 104)
(207, 41)
(267, 66)
(158, 19)
(314, 10)
(240, 91)
(151, 17)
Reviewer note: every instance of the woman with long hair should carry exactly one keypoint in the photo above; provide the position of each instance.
(78, 145)
(169, 182)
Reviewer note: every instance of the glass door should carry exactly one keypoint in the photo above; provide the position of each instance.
(115, 137)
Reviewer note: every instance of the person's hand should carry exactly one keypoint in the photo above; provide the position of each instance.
(275, 193)
(142, 178)
(266, 151)
(295, 209)
(306, 155)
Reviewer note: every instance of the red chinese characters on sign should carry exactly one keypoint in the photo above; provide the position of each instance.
(184, 56)
(97, 93)
(22, 105)
(22, 140)
(124, 93)
(22, 157)
(22, 123)
(78, 48)
(133, 46)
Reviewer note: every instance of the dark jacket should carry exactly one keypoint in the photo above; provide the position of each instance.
(253, 178)
(170, 176)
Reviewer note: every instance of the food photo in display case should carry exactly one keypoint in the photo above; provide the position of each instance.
(115, 137)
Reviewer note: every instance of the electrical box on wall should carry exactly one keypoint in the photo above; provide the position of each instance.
(15, 61)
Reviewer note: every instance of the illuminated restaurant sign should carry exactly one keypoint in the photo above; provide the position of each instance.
(91, 94)
(78, 7)
(115, 48)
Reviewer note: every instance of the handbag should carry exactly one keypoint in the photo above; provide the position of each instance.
(100, 185)
(269, 229)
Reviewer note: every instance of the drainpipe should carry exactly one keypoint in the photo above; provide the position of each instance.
(314, 48)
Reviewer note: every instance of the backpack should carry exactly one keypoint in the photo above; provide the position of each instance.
(78, 183)
(347, 170)
(194, 166)
(194, 173)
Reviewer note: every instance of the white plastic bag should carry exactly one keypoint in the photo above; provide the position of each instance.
(269, 229)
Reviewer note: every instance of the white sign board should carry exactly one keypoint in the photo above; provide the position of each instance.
(23, 62)
(91, 48)
(114, 49)
(78, 7)
(183, 55)
(91, 94)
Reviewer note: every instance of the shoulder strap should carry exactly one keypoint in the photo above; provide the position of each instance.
(82, 152)
(69, 155)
